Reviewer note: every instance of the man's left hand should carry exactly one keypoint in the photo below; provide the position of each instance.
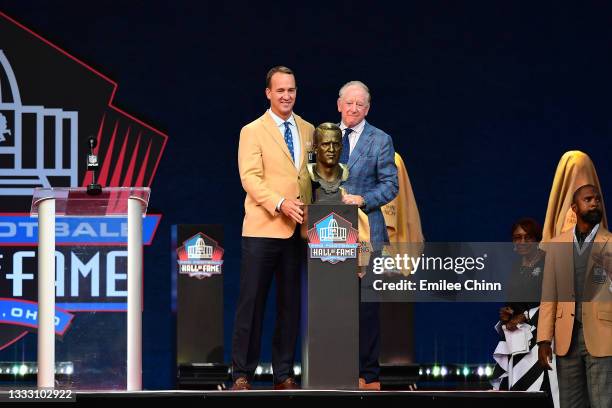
(353, 199)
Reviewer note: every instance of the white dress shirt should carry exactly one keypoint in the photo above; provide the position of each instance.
(354, 135)
(297, 147)
(295, 133)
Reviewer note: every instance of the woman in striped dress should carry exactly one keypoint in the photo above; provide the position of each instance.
(519, 370)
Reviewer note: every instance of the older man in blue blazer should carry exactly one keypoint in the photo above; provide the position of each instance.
(372, 183)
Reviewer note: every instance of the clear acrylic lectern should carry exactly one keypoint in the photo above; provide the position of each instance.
(49, 203)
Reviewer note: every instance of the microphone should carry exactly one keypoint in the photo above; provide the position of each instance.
(92, 165)
(93, 142)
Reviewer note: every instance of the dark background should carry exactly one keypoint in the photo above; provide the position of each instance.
(481, 98)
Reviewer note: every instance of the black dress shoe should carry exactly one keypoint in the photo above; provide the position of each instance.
(288, 384)
(241, 384)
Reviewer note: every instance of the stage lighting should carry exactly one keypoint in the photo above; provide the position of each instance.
(436, 371)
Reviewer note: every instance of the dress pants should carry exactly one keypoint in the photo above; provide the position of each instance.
(369, 326)
(582, 377)
(263, 259)
(369, 341)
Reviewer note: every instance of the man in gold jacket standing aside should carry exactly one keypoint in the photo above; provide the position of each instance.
(272, 158)
(576, 307)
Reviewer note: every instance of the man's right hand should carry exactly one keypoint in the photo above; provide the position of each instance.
(293, 209)
(545, 355)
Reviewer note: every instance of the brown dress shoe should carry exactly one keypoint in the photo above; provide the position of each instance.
(373, 386)
(241, 384)
(288, 384)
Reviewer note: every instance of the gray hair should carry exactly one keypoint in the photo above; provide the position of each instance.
(355, 83)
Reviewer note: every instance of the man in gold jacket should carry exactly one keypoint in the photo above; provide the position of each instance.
(272, 158)
(576, 307)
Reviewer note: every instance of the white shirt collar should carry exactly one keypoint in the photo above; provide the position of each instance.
(280, 122)
(357, 129)
(587, 240)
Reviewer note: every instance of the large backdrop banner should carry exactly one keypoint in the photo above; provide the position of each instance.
(50, 104)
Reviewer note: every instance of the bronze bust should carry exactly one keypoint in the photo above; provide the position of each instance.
(327, 174)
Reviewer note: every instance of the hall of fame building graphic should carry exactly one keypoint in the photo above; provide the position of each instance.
(333, 239)
(200, 257)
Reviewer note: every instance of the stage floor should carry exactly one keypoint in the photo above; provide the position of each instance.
(488, 399)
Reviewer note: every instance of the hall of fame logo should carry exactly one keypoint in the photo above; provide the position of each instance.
(200, 257)
(333, 239)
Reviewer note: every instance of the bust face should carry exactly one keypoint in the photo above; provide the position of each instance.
(328, 149)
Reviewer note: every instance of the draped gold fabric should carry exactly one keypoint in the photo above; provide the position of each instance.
(575, 169)
(401, 216)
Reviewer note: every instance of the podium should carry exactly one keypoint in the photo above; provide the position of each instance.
(330, 357)
(49, 203)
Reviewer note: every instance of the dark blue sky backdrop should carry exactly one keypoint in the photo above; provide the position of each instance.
(481, 99)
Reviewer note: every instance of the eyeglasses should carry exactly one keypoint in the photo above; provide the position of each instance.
(523, 238)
